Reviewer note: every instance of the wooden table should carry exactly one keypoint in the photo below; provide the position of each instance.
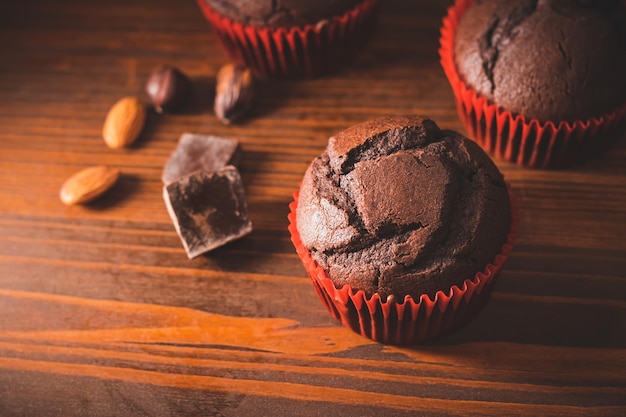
(102, 314)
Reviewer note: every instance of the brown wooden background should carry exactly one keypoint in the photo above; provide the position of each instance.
(101, 313)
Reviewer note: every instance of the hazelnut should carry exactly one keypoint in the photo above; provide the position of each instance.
(233, 93)
(168, 88)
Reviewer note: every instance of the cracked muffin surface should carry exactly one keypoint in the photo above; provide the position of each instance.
(280, 13)
(545, 59)
(396, 206)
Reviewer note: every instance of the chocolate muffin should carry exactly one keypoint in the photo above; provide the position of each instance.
(396, 206)
(283, 13)
(291, 38)
(550, 60)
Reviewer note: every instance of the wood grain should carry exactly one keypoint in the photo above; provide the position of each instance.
(102, 314)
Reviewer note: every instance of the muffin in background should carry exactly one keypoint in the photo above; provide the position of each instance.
(291, 38)
(402, 228)
(538, 82)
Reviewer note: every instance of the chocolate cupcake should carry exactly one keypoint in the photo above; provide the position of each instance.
(402, 217)
(286, 13)
(291, 38)
(538, 82)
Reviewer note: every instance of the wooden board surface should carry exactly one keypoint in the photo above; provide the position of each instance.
(102, 314)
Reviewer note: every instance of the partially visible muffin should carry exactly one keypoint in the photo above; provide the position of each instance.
(538, 82)
(284, 13)
(550, 60)
(291, 38)
(397, 207)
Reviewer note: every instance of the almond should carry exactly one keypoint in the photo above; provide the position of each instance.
(124, 122)
(88, 184)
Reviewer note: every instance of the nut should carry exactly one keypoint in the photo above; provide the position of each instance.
(124, 122)
(168, 88)
(234, 93)
(88, 184)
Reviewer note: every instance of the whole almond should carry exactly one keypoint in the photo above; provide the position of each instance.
(124, 122)
(88, 184)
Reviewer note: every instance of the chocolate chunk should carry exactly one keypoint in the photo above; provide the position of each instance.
(200, 153)
(208, 209)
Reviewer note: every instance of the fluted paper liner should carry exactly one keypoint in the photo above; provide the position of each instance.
(294, 52)
(411, 321)
(513, 137)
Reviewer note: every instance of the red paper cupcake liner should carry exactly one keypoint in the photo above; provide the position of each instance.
(409, 322)
(307, 51)
(515, 138)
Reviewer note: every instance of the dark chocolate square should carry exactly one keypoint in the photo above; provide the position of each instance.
(208, 209)
(200, 153)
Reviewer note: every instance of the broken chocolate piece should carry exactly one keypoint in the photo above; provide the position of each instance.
(200, 153)
(208, 209)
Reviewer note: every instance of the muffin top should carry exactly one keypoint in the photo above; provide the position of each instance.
(398, 207)
(280, 13)
(545, 59)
